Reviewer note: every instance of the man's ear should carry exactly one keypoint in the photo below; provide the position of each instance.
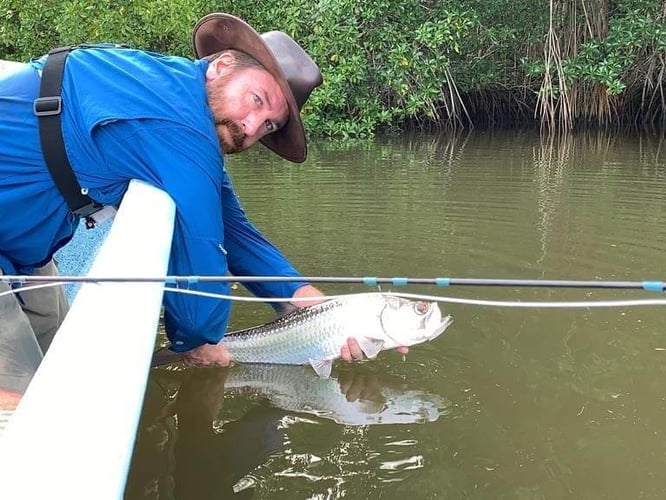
(220, 65)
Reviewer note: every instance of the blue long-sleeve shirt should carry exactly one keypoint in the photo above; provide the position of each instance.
(130, 114)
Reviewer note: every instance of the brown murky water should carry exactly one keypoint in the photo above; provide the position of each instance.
(509, 403)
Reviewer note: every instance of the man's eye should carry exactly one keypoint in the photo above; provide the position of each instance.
(257, 99)
(269, 126)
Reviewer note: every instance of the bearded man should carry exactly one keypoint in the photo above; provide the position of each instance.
(77, 125)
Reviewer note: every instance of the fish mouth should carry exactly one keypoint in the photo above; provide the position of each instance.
(436, 324)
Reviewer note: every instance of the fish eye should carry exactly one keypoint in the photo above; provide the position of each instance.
(421, 307)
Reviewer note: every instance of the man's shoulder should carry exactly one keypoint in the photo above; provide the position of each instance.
(113, 57)
(109, 83)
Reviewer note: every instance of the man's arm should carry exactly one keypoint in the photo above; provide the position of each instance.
(250, 253)
(186, 165)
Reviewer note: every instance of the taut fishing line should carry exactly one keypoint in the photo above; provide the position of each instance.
(587, 304)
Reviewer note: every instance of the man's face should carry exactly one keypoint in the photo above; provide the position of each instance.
(247, 104)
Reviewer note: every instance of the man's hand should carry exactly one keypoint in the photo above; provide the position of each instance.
(348, 352)
(352, 351)
(313, 294)
(208, 355)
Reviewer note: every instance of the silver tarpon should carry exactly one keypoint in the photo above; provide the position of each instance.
(298, 389)
(315, 335)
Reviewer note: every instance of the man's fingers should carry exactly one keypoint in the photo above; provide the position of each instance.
(351, 350)
(197, 363)
(207, 355)
(354, 349)
(345, 353)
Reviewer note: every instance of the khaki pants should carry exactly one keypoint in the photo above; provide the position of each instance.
(27, 327)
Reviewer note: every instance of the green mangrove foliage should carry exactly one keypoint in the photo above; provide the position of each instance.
(394, 64)
(604, 63)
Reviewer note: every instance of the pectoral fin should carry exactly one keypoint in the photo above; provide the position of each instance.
(370, 346)
(322, 367)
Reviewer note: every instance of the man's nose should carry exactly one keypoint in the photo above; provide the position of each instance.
(251, 126)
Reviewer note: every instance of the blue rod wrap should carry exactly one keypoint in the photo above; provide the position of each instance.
(653, 286)
(400, 281)
(370, 281)
(442, 281)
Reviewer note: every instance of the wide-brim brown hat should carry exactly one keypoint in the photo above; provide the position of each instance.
(296, 73)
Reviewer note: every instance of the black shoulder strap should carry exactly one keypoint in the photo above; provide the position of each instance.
(48, 108)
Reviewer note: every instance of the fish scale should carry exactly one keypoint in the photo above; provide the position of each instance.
(315, 335)
(308, 333)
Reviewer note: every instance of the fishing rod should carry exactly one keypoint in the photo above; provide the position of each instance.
(587, 304)
(651, 286)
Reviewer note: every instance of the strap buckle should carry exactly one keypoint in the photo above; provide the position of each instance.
(103, 214)
(47, 106)
(87, 210)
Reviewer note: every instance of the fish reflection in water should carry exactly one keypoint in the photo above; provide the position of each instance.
(372, 401)
(194, 446)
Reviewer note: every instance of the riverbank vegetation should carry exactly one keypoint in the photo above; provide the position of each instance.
(392, 65)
